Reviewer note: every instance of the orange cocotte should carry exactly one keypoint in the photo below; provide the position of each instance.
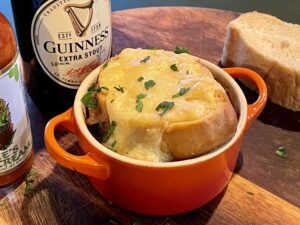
(157, 188)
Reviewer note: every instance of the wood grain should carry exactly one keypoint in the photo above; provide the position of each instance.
(65, 197)
(244, 203)
(200, 30)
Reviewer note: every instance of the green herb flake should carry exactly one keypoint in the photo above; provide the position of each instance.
(139, 103)
(139, 106)
(187, 72)
(94, 89)
(110, 131)
(111, 101)
(181, 92)
(112, 146)
(29, 179)
(145, 59)
(174, 67)
(250, 193)
(140, 96)
(32, 172)
(140, 79)
(104, 88)
(149, 84)
(179, 50)
(165, 106)
(120, 89)
(89, 99)
(29, 189)
(281, 152)
(105, 64)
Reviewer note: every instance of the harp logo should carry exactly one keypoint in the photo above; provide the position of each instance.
(78, 25)
(70, 38)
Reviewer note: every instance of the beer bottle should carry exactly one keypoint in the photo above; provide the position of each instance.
(16, 153)
(60, 42)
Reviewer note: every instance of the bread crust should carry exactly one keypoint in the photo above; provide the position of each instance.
(189, 139)
(282, 80)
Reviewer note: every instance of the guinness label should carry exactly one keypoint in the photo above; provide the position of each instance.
(71, 38)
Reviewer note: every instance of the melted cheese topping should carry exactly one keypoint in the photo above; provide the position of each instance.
(138, 134)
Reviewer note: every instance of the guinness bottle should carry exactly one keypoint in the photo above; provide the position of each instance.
(60, 42)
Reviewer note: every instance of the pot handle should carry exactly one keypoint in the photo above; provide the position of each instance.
(256, 108)
(82, 164)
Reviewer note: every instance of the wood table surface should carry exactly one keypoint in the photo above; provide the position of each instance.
(265, 188)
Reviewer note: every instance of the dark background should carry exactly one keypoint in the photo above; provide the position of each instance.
(288, 10)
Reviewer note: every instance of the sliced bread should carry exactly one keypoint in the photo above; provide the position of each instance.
(165, 106)
(271, 47)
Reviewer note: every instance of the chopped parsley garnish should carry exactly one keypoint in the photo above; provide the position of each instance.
(139, 103)
(29, 189)
(105, 64)
(179, 50)
(112, 146)
(145, 59)
(139, 106)
(111, 101)
(104, 88)
(281, 152)
(181, 92)
(89, 99)
(152, 48)
(174, 67)
(120, 89)
(140, 96)
(149, 84)
(140, 79)
(94, 89)
(32, 172)
(29, 180)
(110, 131)
(250, 193)
(165, 106)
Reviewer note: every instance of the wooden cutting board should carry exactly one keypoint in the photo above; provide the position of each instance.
(255, 195)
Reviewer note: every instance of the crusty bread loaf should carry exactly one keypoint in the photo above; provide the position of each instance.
(270, 47)
(201, 118)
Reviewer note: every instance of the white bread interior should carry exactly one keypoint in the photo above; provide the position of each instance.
(201, 120)
(270, 47)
